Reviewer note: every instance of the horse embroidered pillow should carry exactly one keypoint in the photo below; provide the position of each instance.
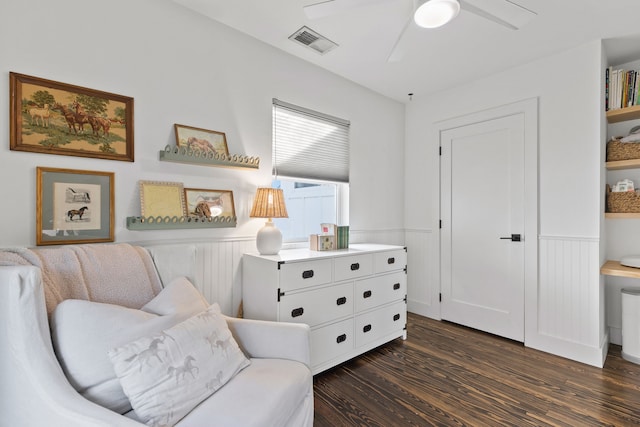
(168, 374)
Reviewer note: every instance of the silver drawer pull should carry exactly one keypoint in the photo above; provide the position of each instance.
(396, 317)
(366, 294)
(341, 301)
(366, 328)
(391, 260)
(296, 312)
(341, 338)
(307, 274)
(396, 286)
(355, 266)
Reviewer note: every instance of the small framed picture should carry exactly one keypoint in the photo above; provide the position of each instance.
(58, 118)
(162, 199)
(207, 203)
(202, 140)
(74, 206)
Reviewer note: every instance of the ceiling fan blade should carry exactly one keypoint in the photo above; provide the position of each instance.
(503, 12)
(335, 7)
(402, 42)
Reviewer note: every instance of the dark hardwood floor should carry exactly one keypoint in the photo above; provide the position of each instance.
(448, 375)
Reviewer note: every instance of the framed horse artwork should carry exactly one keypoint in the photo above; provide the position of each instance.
(59, 118)
(74, 206)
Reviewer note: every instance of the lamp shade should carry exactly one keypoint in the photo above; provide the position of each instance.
(436, 13)
(269, 203)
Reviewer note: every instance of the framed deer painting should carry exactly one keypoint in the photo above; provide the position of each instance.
(74, 206)
(59, 118)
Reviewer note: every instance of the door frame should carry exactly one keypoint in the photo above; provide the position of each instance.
(529, 108)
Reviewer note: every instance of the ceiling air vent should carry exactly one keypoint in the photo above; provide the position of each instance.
(309, 38)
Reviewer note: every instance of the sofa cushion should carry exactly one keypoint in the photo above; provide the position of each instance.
(265, 394)
(167, 374)
(83, 332)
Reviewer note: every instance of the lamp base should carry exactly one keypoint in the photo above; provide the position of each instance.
(269, 239)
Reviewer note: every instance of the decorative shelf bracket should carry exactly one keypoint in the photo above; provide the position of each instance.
(186, 155)
(139, 223)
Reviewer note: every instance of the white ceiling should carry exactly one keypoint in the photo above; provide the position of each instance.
(468, 48)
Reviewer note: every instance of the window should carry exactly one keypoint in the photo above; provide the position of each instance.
(310, 154)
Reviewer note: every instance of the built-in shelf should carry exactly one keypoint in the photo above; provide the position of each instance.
(625, 215)
(171, 223)
(623, 114)
(623, 164)
(196, 157)
(614, 268)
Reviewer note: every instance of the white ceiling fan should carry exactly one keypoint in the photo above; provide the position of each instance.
(432, 14)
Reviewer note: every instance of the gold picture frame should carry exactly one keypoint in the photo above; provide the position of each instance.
(203, 140)
(74, 206)
(162, 199)
(58, 118)
(219, 203)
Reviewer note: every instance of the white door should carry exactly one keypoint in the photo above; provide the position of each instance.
(482, 211)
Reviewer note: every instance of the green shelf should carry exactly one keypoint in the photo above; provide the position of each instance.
(139, 223)
(197, 157)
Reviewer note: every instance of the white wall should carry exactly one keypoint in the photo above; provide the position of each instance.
(183, 68)
(568, 315)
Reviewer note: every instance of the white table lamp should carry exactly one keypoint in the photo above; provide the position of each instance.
(269, 203)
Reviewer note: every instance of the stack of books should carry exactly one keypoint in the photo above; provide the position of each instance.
(331, 237)
(621, 88)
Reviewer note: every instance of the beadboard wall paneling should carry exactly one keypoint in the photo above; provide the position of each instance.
(569, 317)
(423, 285)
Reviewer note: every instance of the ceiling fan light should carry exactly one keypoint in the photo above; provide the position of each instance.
(436, 13)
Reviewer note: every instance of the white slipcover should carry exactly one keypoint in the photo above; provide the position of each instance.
(276, 390)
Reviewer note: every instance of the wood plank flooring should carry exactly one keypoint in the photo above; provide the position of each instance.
(449, 375)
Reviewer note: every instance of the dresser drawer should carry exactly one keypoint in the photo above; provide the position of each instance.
(379, 290)
(331, 341)
(352, 266)
(317, 306)
(389, 261)
(298, 275)
(376, 324)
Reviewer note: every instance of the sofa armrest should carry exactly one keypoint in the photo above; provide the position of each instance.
(275, 340)
(34, 388)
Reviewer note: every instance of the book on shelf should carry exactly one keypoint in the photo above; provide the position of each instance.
(621, 88)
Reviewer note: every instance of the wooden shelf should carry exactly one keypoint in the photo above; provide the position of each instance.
(623, 164)
(138, 223)
(184, 155)
(613, 268)
(623, 114)
(616, 215)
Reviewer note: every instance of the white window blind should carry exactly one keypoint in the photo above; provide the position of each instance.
(308, 144)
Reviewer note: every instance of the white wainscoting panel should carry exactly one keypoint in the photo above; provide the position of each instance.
(570, 317)
(217, 270)
(423, 284)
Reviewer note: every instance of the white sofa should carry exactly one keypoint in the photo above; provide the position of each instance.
(276, 389)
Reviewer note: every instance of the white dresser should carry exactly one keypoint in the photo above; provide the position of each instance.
(353, 299)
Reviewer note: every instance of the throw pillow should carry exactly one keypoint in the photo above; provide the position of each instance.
(83, 332)
(168, 374)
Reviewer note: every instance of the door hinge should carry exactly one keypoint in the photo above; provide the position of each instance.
(280, 294)
(441, 150)
(440, 296)
(279, 264)
(440, 223)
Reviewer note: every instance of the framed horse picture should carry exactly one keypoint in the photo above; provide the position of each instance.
(59, 118)
(74, 206)
(205, 203)
(201, 140)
